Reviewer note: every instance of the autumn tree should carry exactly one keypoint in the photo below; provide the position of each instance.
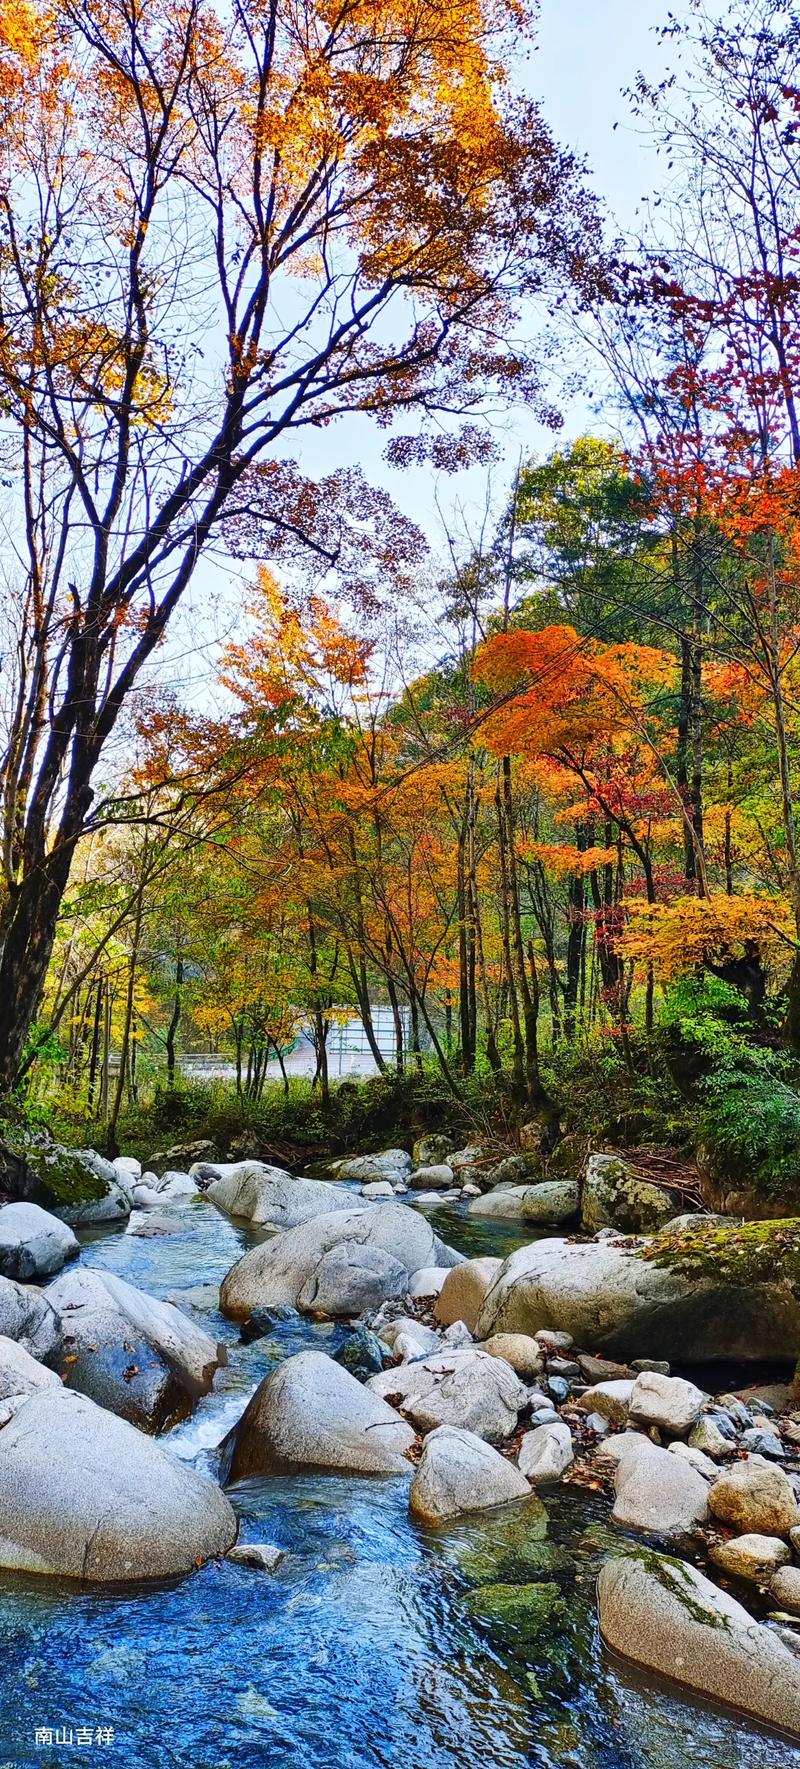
(217, 229)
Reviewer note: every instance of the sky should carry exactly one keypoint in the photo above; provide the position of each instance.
(588, 52)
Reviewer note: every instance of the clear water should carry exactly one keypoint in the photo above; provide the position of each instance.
(357, 1653)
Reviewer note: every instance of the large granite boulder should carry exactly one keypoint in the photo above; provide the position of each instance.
(551, 1202)
(614, 1197)
(466, 1387)
(21, 1374)
(338, 1264)
(657, 1494)
(463, 1292)
(79, 1185)
(460, 1473)
(610, 1298)
(28, 1316)
(668, 1617)
(270, 1197)
(311, 1413)
(85, 1496)
(33, 1243)
(140, 1357)
(392, 1164)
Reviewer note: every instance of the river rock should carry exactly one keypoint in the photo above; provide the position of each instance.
(261, 1556)
(610, 1399)
(706, 1436)
(460, 1473)
(438, 1178)
(140, 1357)
(750, 1557)
(668, 1617)
(753, 1497)
(392, 1164)
(310, 1413)
(408, 1338)
(376, 1188)
(33, 1243)
(785, 1589)
(666, 1401)
(115, 1201)
(464, 1291)
(503, 1202)
(27, 1316)
(607, 1297)
(272, 1198)
(338, 1264)
(658, 1494)
(517, 1349)
(428, 1281)
(21, 1374)
(613, 1197)
(546, 1453)
(466, 1388)
(431, 1149)
(127, 1169)
(84, 1495)
(703, 1464)
(552, 1201)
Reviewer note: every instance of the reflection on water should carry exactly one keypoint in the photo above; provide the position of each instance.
(357, 1654)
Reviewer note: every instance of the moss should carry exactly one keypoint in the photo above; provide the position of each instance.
(63, 1176)
(745, 1255)
(529, 1562)
(517, 1613)
(675, 1577)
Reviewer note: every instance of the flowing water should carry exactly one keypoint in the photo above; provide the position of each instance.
(357, 1654)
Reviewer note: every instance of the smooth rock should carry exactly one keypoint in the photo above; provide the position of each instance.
(610, 1399)
(310, 1413)
(751, 1557)
(706, 1436)
(376, 1188)
(142, 1358)
(666, 1401)
(519, 1350)
(669, 1618)
(28, 1316)
(390, 1164)
(464, 1290)
(659, 1495)
(602, 1369)
(428, 1280)
(338, 1264)
(21, 1374)
(261, 1556)
(431, 1179)
(785, 1589)
(105, 1503)
(407, 1337)
(466, 1388)
(546, 1453)
(753, 1497)
(460, 1473)
(115, 1203)
(33, 1243)
(607, 1297)
(127, 1168)
(703, 1464)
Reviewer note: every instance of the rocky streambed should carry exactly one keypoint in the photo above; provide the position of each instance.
(441, 1611)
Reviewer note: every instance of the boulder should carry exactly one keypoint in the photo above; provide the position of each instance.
(609, 1297)
(785, 1589)
(753, 1497)
(176, 1184)
(657, 1494)
(84, 1495)
(546, 1453)
(504, 1202)
(602, 1369)
(112, 1196)
(127, 1169)
(377, 1188)
(408, 1338)
(552, 1202)
(33, 1243)
(525, 1355)
(391, 1164)
(428, 1280)
(431, 1150)
(338, 1264)
(310, 1413)
(362, 1353)
(466, 1388)
(752, 1557)
(140, 1357)
(703, 1464)
(431, 1179)
(461, 1473)
(272, 1198)
(666, 1401)
(613, 1197)
(28, 1316)
(464, 1291)
(21, 1374)
(260, 1556)
(666, 1616)
(706, 1436)
(610, 1399)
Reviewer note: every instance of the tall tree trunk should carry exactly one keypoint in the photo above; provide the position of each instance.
(174, 1023)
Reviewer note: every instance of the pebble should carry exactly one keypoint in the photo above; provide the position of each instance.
(559, 1387)
(262, 1556)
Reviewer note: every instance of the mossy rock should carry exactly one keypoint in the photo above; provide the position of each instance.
(517, 1614)
(55, 1177)
(529, 1562)
(740, 1255)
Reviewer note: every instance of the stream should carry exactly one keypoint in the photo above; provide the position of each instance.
(356, 1654)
